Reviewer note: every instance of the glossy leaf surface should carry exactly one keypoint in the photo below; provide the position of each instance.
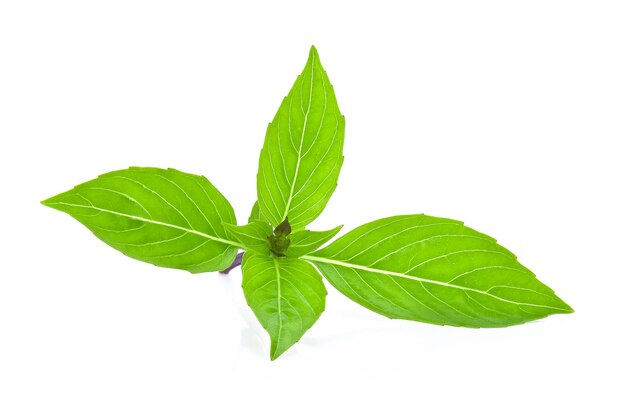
(252, 236)
(435, 270)
(287, 295)
(161, 216)
(306, 241)
(302, 154)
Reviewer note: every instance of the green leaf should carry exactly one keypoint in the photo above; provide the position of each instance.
(435, 270)
(255, 214)
(252, 236)
(306, 241)
(302, 153)
(287, 295)
(164, 217)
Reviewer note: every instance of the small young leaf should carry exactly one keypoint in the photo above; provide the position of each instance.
(287, 295)
(279, 240)
(306, 241)
(435, 270)
(283, 229)
(255, 214)
(252, 236)
(161, 216)
(302, 154)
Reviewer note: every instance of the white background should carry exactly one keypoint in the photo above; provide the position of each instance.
(507, 115)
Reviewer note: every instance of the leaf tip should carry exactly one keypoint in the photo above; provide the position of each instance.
(274, 352)
(277, 348)
(564, 307)
(49, 202)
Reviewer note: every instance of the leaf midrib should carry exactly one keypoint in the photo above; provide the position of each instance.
(299, 160)
(145, 220)
(419, 279)
(279, 300)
